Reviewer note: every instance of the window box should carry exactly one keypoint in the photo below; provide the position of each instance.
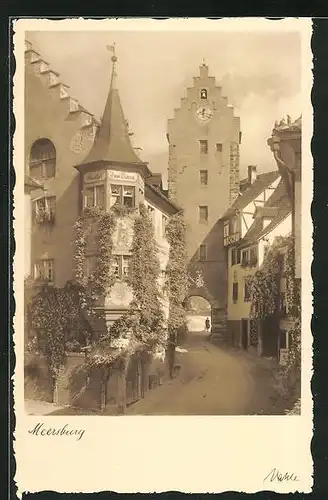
(45, 210)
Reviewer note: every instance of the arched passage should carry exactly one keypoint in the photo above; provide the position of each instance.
(198, 310)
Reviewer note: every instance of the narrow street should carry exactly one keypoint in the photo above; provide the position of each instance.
(211, 381)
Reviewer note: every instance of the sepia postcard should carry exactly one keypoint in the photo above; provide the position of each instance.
(163, 253)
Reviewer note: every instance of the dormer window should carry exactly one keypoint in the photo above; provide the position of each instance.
(42, 159)
(203, 94)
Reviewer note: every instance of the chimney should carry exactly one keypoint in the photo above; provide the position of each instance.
(252, 175)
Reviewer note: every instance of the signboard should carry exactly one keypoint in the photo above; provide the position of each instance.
(232, 238)
(98, 175)
(283, 357)
(115, 175)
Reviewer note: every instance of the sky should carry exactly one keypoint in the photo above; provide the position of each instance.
(260, 73)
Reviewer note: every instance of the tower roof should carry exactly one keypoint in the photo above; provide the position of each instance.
(112, 142)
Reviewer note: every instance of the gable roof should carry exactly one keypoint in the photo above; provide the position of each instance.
(278, 200)
(262, 181)
(156, 195)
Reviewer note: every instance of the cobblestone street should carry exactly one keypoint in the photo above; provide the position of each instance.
(212, 381)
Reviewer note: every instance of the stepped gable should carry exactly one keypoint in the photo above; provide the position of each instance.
(52, 80)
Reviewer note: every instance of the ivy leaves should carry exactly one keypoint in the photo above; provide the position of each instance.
(52, 312)
(177, 283)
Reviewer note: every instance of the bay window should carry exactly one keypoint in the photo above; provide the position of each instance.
(94, 196)
(122, 195)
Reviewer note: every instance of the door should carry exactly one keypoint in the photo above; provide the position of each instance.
(244, 334)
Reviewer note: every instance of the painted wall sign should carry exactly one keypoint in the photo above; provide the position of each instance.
(232, 238)
(114, 175)
(98, 175)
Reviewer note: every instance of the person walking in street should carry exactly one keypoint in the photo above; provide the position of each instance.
(207, 324)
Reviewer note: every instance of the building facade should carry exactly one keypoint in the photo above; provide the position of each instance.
(78, 163)
(203, 178)
(260, 215)
(286, 145)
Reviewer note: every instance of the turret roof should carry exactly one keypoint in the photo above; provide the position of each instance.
(112, 142)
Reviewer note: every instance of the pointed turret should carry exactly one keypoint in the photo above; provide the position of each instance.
(112, 142)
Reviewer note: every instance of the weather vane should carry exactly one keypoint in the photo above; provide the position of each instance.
(112, 49)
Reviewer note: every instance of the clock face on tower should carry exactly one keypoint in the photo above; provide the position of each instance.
(204, 114)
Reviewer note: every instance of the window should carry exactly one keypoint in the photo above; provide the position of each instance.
(90, 265)
(151, 212)
(121, 266)
(126, 259)
(226, 229)
(202, 252)
(253, 256)
(44, 270)
(246, 292)
(203, 145)
(43, 159)
(245, 257)
(282, 339)
(235, 292)
(164, 225)
(203, 94)
(123, 195)
(218, 147)
(235, 256)
(203, 214)
(94, 196)
(45, 209)
(116, 266)
(203, 177)
(283, 304)
(234, 225)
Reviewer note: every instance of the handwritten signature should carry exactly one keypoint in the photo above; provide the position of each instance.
(276, 475)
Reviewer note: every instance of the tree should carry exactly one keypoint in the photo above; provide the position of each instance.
(52, 313)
